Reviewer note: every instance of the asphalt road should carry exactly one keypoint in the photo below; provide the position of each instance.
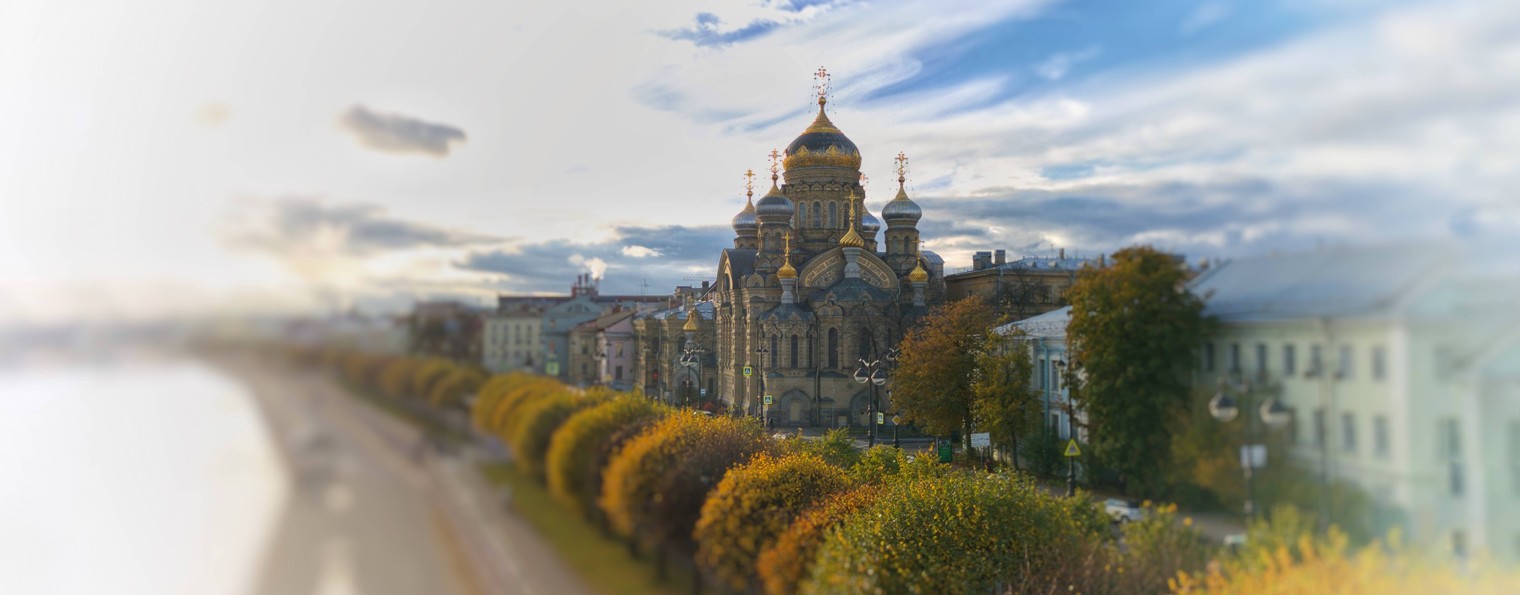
(369, 515)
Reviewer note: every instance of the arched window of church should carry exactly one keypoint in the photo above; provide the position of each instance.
(773, 353)
(810, 360)
(817, 214)
(801, 214)
(833, 348)
(793, 351)
(833, 215)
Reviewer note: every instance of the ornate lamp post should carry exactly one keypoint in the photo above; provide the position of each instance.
(1271, 412)
(875, 373)
(764, 352)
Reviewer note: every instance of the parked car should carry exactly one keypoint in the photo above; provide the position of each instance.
(1123, 511)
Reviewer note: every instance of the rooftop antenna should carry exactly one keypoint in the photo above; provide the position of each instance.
(644, 287)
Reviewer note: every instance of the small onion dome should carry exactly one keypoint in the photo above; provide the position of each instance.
(902, 211)
(822, 144)
(918, 274)
(691, 322)
(786, 271)
(869, 224)
(774, 205)
(746, 222)
(852, 239)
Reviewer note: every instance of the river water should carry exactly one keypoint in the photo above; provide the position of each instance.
(153, 475)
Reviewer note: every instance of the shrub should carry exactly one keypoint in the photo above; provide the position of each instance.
(429, 373)
(752, 505)
(878, 463)
(451, 390)
(396, 380)
(490, 395)
(954, 534)
(835, 447)
(653, 487)
(577, 451)
(504, 418)
(536, 426)
(786, 561)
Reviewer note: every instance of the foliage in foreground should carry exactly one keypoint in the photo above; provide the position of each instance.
(575, 458)
(786, 561)
(752, 505)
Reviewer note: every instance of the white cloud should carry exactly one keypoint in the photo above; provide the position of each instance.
(1056, 66)
(639, 251)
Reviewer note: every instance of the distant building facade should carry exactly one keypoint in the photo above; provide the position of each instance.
(1018, 289)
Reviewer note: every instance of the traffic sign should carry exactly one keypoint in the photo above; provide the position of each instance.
(1072, 450)
(704, 392)
(767, 399)
(981, 440)
(881, 418)
(749, 371)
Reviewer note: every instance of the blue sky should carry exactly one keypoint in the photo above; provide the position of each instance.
(186, 157)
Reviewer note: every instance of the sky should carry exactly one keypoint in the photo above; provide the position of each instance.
(181, 158)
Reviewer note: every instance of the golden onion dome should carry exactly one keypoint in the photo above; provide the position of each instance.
(918, 274)
(852, 239)
(691, 322)
(786, 271)
(822, 145)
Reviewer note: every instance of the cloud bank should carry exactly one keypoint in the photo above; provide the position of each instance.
(395, 133)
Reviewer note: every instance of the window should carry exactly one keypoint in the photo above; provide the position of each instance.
(1234, 357)
(1380, 436)
(1040, 380)
(775, 346)
(833, 348)
(1348, 432)
(1450, 440)
(1290, 363)
(1319, 427)
(802, 214)
(618, 373)
(1261, 358)
(1316, 360)
(833, 214)
(817, 214)
(619, 350)
(811, 362)
(792, 351)
(1208, 357)
(1379, 363)
(1344, 370)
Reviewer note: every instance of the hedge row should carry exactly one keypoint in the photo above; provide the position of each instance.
(436, 381)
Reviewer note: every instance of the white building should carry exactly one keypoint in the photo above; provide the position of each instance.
(1044, 336)
(1402, 368)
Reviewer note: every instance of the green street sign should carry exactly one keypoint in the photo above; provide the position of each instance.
(1072, 450)
(749, 371)
(552, 368)
(881, 418)
(767, 399)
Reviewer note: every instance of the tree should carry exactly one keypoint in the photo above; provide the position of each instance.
(932, 385)
(574, 461)
(1005, 406)
(1133, 331)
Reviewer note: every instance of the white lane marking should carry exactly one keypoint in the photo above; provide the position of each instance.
(337, 577)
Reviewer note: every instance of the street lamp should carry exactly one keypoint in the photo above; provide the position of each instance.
(764, 352)
(1271, 413)
(875, 373)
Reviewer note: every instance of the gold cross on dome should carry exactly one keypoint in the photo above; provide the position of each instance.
(902, 166)
(821, 84)
(775, 162)
(749, 182)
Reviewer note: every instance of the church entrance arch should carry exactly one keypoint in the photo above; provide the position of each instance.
(793, 408)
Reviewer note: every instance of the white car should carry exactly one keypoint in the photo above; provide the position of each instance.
(1123, 511)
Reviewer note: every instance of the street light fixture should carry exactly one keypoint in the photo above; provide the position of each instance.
(874, 372)
(1271, 413)
(764, 353)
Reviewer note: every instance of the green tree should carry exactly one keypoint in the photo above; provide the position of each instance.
(1005, 406)
(1133, 331)
(932, 385)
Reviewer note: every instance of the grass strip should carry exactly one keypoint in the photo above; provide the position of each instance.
(602, 561)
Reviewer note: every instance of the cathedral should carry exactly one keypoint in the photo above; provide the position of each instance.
(813, 285)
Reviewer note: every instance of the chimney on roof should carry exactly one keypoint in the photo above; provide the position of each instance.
(981, 260)
(704, 285)
(1063, 254)
(1000, 257)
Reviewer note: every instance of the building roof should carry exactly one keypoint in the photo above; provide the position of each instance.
(1050, 325)
(1337, 282)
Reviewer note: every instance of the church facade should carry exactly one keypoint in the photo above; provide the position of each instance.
(813, 285)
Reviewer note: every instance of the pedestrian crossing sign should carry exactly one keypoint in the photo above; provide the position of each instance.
(1072, 450)
(749, 371)
(767, 399)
